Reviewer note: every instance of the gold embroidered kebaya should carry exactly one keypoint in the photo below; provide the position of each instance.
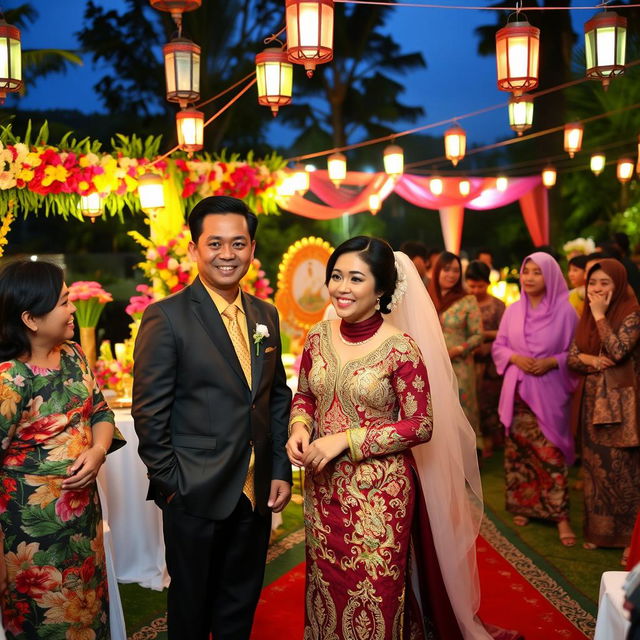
(359, 510)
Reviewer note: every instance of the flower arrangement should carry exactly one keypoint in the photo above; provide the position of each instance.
(55, 176)
(255, 281)
(579, 246)
(89, 299)
(4, 230)
(167, 266)
(137, 304)
(115, 373)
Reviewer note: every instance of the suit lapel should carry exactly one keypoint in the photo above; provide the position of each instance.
(212, 323)
(256, 359)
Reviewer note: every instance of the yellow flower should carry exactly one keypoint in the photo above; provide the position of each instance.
(49, 489)
(8, 401)
(53, 174)
(25, 174)
(33, 160)
(105, 182)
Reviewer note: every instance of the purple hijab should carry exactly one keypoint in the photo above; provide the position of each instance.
(542, 332)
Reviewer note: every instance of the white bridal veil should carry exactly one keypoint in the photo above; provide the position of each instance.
(448, 463)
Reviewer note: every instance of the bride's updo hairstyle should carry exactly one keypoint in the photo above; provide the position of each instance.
(377, 254)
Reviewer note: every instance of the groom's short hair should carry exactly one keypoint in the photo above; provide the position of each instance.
(220, 205)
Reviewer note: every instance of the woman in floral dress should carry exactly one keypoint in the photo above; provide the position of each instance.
(606, 352)
(462, 327)
(56, 430)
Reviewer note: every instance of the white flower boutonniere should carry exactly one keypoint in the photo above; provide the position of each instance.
(259, 335)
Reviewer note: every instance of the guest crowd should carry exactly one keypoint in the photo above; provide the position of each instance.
(554, 379)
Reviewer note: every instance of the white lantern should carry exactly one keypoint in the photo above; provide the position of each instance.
(274, 74)
(90, 206)
(605, 38)
(436, 186)
(394, 160)
(375, 203)
(150, 192)
(502, 183)
(337, 167)
(521, 113)
(597, 163)
(182, 71)
(624, 169)
(301, 180)
(464, 187)
(549, 176)
(10, 60)
(455, 142)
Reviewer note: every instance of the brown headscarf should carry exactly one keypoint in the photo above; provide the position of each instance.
(442, 303)
(623, 302)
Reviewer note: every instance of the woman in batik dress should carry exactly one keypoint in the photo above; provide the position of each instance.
(531, 351)
(606, 352)
(462, 327)
(55, 431)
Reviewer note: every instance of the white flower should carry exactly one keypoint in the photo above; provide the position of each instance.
(261, 332)
(401, 288)
(583, 246)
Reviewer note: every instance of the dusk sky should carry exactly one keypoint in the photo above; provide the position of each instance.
(456, 80)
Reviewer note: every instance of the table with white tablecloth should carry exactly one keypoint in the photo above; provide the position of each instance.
(613, 622)
(135, 522)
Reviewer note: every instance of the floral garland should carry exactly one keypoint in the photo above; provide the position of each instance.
(54, 177)
(5, 227)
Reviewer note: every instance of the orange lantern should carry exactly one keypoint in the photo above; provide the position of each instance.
(274, 74)
(182, 71)
(337, 167)
(10, 60)
(190, 125)
(455, 142)
(605, 38)
(176, 7)
(517, 56)
(464, 187)
(394, 160)
(549, 176)
(624, 169)
(573, 133)
(150, 192)
(309, 32)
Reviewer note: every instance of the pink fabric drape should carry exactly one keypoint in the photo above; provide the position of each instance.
(353, 197)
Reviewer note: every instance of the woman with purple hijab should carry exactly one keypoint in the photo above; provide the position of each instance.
(531, 351)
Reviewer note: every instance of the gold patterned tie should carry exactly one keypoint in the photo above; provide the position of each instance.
(242, 351)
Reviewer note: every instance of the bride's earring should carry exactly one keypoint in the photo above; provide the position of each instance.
(377, 304)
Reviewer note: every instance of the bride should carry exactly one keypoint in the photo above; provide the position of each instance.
(390, 462)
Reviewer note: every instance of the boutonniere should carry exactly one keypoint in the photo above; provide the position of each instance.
(259, 335)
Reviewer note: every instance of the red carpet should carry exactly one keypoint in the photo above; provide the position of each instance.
(508, 601)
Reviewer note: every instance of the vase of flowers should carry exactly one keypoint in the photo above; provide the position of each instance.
(89, 299)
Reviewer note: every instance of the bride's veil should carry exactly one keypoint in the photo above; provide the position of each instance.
(448, 463)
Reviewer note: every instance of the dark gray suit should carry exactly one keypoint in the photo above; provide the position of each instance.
(197, 421)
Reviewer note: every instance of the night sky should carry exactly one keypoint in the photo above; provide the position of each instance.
(456, 80)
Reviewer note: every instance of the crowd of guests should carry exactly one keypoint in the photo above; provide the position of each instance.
(553, 379)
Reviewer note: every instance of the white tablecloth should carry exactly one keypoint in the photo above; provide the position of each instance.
(612, 622)
(135, 522)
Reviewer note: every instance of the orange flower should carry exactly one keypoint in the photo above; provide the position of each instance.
(21, 559)
(49, 489)
(69, 444)
(82, 607)
(8, 401)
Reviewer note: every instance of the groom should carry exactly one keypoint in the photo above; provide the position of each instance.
(211, 407)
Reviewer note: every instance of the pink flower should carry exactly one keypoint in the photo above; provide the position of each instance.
(72, 504)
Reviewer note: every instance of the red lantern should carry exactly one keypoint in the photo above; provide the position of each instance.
(517, 57)
(309, 32)
(573, 138)
(176, 7)
(182, 71)
(190, 125)
(274, 74)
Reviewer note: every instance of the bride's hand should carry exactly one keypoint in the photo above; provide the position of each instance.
(321, 451)
(297, 444)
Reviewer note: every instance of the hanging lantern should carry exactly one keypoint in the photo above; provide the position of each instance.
(520, 113)
(605, 38)
(90, 206)
(375, 203)
(190, 124)
(287, 187)
(597, 163)
(502, 183)
(394, 160)
(274, 74)
(549, 175)
(10, 60)
(301, 180)
(309, 32)
(624, 169)
(517, 56)
(182, 71)
(337, 166)
(573, 133)
(150, 192)
(455, 141)
(464, 187)
(176, 7)
(436, 186)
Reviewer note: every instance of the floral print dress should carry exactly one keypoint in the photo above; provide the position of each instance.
(359, 511)
(52, 537)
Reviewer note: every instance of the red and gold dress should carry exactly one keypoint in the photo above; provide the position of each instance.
(359, 511)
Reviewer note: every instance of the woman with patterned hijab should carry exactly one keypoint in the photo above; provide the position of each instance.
(606, 352)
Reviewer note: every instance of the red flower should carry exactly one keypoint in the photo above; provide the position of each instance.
(13, 617)
(72, 504)
(44, 428)
(35, 581)
(8, 486)
(5, 366)
(88, 569)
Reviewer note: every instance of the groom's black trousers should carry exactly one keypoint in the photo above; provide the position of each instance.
(216, 569)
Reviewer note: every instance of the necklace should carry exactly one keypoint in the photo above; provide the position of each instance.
(355, 344)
